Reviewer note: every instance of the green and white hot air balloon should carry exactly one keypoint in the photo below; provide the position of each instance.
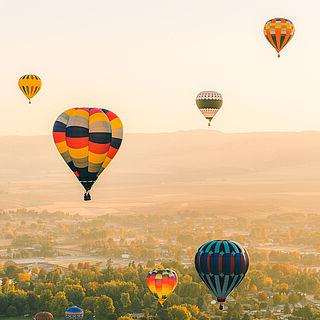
(209, 103)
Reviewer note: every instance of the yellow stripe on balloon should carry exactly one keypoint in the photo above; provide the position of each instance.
(70, 112)
(96, 158)
(100, 116)
(106, 162)
(78, 153)
(62, 146)
(81, 113)
(116, 123)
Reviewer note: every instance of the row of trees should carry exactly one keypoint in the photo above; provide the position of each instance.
(119, 292)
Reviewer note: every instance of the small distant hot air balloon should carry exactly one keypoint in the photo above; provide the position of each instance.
(162, 282)
(74, 313)
(209, 103)
(279, 32)
(43, 316)
(30, 85)
(221, 264)
(87, 139)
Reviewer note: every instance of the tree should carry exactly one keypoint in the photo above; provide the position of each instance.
(33, 301)
(12, 311)
(234, 312)
(88, 315)
(24, 276)
(125, 318)
(18, 299)
(45, 299)
(74, 293)
(104, 307)
(88, 303)
(179, 313)
(58, 304)
(125, 299)
(4, 303)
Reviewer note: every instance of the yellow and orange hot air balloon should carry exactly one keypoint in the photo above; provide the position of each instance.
(162, 282)
(30, 85)
(279, 31)
(87, 139)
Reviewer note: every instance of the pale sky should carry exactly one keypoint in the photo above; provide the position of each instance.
(146, 60)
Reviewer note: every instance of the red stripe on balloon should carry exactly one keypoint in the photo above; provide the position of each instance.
(231, 263)
(59, 137)
(241, 263)
(208, 263)
(94, 110)
(220, 263)
(98, 147)
(112, 152)
(111, 115)
(77, 143)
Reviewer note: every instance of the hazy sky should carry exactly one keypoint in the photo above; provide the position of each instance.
(146, 60)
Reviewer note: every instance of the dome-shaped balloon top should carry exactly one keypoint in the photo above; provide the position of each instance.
(74, 313)
(43, 315)
(210, 95)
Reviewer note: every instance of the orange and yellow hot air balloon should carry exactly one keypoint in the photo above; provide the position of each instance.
(279, 32)
(30, 85)
(87, 139)
(162, 282)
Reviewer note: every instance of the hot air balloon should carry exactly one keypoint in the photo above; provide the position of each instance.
(278, 32)
(43, 316)
(87, 139)
(221, 264)
(209, 103)
(74, 313)
(162, 283)
(30, 85)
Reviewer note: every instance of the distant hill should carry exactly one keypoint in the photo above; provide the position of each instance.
(186, 169)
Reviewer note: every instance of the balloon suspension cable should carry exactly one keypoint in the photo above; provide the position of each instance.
(87, 196)
(221, 306)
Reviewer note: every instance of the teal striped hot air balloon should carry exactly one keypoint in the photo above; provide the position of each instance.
(221, 265)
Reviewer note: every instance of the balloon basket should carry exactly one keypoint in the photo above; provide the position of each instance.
(87, 196)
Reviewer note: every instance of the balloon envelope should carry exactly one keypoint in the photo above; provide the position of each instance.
(43, 316)
(30, 85)
(74, 313)
(209, 103)
(162, 282)
(87, 139)
(279, 31)
(222, 265)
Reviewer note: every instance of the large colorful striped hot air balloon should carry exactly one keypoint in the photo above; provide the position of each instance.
(87, 139)
(209, 103)
(221, 264)
(74, 313)
(279, 32)
(162, 282)
(30, 85)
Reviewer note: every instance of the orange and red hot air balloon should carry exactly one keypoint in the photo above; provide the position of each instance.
(162, 282)
(279, 31)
